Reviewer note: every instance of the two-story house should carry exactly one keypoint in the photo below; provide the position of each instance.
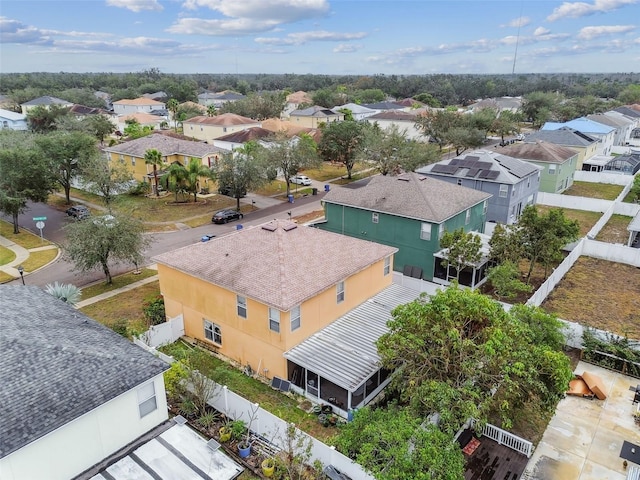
(621, 125)
(585, 145)
(172, 150)
(12, 121)
(261, 291)
(409, 212)
(137, 105)
(512, 183)
(218, 99)
(209, 128)
(604, 133)
(557, 163)
(358, 112)
(73, 391)
(405, 122)
(313, 117)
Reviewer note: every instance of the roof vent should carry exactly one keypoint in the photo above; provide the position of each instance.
(404, 179)
(213, 445)
(290, 226)
(270, 227)
(179, 419)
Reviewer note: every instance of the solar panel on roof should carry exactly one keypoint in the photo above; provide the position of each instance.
(483, 165)
(448, 169)
(483, 173)
(492, 174)
(472, 157)
(454, 161)
(472, 172)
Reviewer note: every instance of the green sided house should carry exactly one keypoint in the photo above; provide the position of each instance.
(409, 212)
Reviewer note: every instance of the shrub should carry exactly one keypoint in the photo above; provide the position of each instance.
(154, 310)
(120, 326)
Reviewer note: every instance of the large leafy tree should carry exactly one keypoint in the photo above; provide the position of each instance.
(506, 244)
(26, 175)
(435, 124)
(68, 153)
(537, 106)
(240, 171)
(341, 142)
(460, 354)
(153, 157)
(43, 119)
(100, 126)
(391, 443)
(257, 106)
(96, 242)
(106, 179)
(287, 156)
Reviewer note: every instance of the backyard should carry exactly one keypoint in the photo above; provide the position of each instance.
(615, 230)
(585, 219)
(604, 191)
(599, 294)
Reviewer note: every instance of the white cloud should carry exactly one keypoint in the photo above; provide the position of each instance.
(581, 9)
(541, 31)
(347, 48)
(589, 33)
(136, 5)
(301, 38)
(13, 31)
(518, 22)
(197, 26)
(284, 11)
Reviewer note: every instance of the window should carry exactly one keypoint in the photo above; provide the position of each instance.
(459, 181)
(552, 169)
(528, 182)
(425, 231)
(387, 265)
(133, 161)
(224, 129)
(164, 159)
(374, 217)
(212, 332)
(295, 318)
(121, 158)
(484, 208)
(467, 217)
(504, 190)
(274, 319)
(147, 399)
(241, 303)
(340, 292)
(440, 231)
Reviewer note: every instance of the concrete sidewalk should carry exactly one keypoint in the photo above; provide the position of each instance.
(117, 291)
(22, 254)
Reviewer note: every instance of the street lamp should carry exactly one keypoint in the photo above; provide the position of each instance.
(21, 272)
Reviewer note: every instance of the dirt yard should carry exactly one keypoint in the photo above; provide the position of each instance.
(600, 294)
(615, 231)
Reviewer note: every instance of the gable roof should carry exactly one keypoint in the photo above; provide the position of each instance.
(562, 136)
(581, 124)
(58, 364)
(138, 101)
(394, 115)
(47, 100)
(142, 118)
(167, 145)
(279, 278)
(224, 120)
(354, 107)
(610, 120)
(290, 128)
(314, 111)
(384, 106)
(483, 166)
(253, 133)
(409, 195)
(629, 112)
(409, 102)
(9, 115)
(83, 110)
(224, 95)
(299, 97)
(538, 150)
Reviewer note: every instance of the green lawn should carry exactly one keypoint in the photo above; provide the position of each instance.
(25, 238)
(603, 191)
(118, 282)
(6, 256)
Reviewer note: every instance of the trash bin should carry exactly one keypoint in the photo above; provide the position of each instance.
(314, 191)
(239, 227)
(290, 197)
(326, 187)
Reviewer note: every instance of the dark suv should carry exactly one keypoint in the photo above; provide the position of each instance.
(228, 191)
(224, 216)
(78, 212)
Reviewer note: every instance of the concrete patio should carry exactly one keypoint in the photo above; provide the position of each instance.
(584, 438)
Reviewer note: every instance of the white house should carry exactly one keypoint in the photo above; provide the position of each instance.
(12, 120)
(604, 133)
(46, 102)
(358, 112)
(73, 391)
(404, 121)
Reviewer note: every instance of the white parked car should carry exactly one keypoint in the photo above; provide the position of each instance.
(301, 180)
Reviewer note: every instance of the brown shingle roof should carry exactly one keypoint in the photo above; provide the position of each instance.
(299, 97)
(278, 263)
(394, 115)
(276, 125)
(224, 120)
(253, 133)
(539, 150)
(166, 145)
(409, 195)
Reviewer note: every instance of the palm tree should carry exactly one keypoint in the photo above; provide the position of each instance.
(194, 171)
(173, 105)
(154, 157)
(211, 110)
(178, 173)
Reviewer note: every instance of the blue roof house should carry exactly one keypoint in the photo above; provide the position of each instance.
(604, 133)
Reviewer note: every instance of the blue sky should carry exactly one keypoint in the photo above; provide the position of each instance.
(320, 36)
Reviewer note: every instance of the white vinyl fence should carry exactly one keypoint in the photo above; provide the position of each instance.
(510, 440)
(602, 177)
(164, 333)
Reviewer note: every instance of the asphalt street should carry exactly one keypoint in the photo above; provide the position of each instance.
(62, 271)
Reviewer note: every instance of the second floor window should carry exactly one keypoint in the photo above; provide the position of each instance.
(295, 318)
(340, 292)
(374, 217)
(504, 190)
(242, 306)
(467, 217)
(274, 319)
(425, 231)
(387, 266)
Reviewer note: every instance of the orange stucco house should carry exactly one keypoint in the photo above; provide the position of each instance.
(264, 296)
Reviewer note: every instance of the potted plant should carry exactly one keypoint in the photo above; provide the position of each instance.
(268, 466)
(225, 432)
(244, 446)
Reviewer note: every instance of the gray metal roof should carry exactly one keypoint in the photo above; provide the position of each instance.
(562, 136)
(344, 352)
(58, 364)
(47, 100)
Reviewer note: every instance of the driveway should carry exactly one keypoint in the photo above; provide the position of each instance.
(584, 438)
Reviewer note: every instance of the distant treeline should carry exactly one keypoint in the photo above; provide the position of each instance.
(446, 89)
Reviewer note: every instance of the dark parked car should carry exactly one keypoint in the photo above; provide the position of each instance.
(226, 190)
(224, 216)
(78, 212)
